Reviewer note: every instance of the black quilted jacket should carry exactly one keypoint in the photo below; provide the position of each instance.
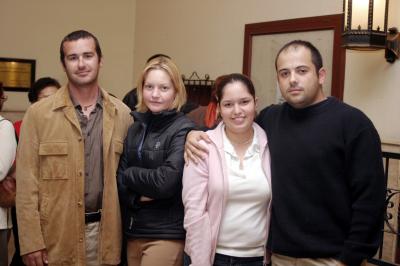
(151, 165)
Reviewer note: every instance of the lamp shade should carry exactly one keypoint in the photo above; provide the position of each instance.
(365, 24)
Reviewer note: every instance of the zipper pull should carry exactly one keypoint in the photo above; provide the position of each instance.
(131, 223)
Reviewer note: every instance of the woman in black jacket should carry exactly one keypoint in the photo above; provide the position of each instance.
(151, 166)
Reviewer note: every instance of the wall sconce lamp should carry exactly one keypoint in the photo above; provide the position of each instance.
(365, 27)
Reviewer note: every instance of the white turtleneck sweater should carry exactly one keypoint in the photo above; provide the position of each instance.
(8, 146)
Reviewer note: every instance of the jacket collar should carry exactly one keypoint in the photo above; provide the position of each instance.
(158, 119)
(62, 99)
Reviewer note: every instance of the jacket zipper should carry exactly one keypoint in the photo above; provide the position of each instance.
(131, 223)
(139, 151)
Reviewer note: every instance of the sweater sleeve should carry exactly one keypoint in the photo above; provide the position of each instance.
(165, 180)
(367, 185)
(8, 146)
(197, 222)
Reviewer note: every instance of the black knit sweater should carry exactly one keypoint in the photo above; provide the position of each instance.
(327, 180)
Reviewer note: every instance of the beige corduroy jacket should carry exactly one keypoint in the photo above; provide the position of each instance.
(50, 180)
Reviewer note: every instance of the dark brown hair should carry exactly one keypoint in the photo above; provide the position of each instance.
(1, 95)
(76, 35)
(230, 78)
(39, 85)
(316, 57)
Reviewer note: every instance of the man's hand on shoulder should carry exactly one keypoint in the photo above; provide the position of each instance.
(9, 184)
(144, 198)
(37, 258)
(339, 263)
(194, 151)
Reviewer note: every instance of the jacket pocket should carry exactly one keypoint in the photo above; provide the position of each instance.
(118, 146)
(53, 160)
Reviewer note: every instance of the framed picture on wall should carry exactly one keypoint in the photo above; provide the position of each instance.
(17, 74)
(264, 40)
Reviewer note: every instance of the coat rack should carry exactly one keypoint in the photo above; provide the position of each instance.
(195, 80)
(198, 89)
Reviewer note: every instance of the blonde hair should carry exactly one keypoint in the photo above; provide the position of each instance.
(172, 70)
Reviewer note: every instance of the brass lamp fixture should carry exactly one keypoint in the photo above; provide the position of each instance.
(366, 27)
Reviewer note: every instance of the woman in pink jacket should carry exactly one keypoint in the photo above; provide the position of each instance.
(227, 196)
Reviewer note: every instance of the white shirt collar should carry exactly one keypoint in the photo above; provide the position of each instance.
(252, 149)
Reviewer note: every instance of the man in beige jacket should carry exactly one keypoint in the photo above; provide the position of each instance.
(67, 200)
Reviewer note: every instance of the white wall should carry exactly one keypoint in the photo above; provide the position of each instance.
(208, 36)
(34, 30)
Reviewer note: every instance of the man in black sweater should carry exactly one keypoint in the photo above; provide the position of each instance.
(327, 173)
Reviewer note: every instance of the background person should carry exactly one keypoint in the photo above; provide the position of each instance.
(227, 196)
(206, 116)
(151, 166)
(42, 88)
(8, 146)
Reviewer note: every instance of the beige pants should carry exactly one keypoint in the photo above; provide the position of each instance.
(280, 260)
(92, 244)
(154, 252)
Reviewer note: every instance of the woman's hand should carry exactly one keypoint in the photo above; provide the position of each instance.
(144, 198)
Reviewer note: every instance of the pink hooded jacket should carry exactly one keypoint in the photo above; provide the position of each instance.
(205, 189)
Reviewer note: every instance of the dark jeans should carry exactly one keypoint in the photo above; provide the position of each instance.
(186, 259)
(3, 247)
(225, 260)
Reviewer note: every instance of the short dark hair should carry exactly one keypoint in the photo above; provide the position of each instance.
(157, 55)
(76, 35)
(230, 78)
(1, 95)
(316, 57)
(1, 89)
(39, 85)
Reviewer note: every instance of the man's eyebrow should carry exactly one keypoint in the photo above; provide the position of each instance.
(303, 66)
